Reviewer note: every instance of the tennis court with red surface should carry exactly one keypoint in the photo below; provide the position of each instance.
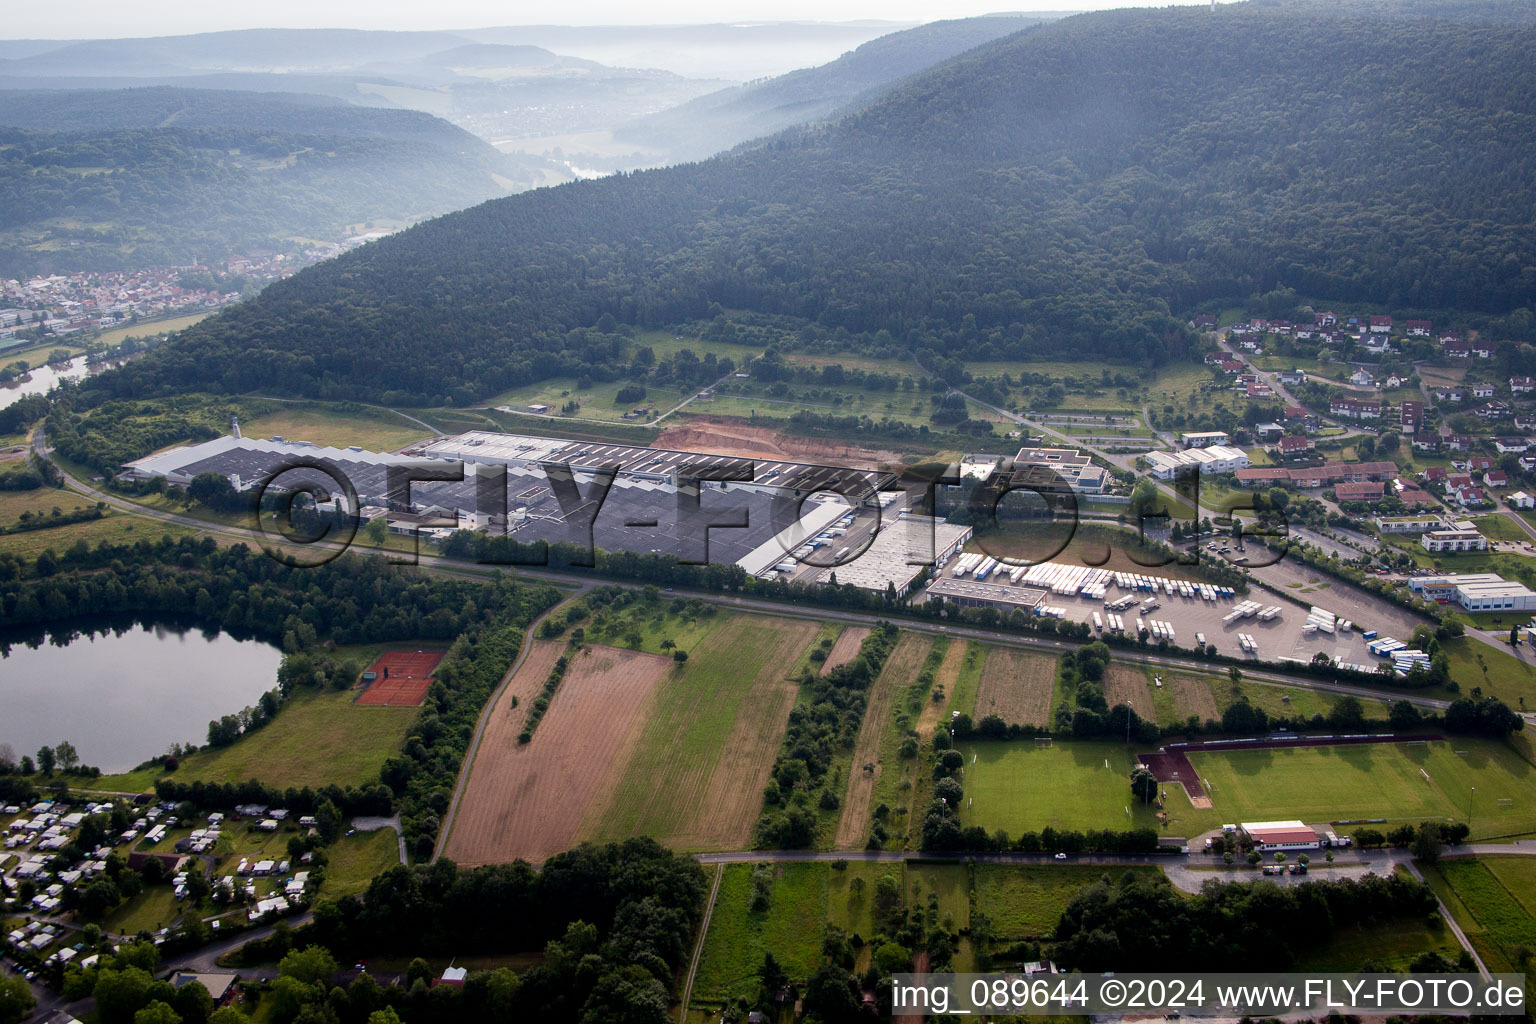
(399, 678)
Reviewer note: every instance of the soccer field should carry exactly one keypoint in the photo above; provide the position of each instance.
(1385, 780)
(1013, 785)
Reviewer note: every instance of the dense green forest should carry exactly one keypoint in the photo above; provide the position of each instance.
(95, 180)
(1077, 187)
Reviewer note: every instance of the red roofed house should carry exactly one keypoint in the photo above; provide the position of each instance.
(1381, 325)
(1290, 446)
(1354, 409)
(1496, 478)
(1434, 474)
(1359, 492)
(1455, 348)
(1521, 385)
(1281, 835)
(1417, 328)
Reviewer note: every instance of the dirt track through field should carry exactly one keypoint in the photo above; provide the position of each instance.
(739, 439)
(526, 800)
(900, 670)
(845, 648)
(1017, 686)
(1125, 684)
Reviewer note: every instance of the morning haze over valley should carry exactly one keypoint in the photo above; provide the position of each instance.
(803, 516)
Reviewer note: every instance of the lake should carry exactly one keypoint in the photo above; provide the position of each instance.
(122, 692)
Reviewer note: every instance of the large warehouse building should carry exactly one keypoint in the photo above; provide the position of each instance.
(761, 514)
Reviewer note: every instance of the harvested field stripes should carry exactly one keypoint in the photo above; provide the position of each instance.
(900, 670)
(1017, 687)
(1126, 685)
(1192, 696)
(525, 800)
(845, 649)
(695, 779)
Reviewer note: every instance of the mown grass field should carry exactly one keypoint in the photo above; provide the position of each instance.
(373, 429)
(154, 908)
(1376, 781)
(355, 860)
(316, 739)
(1493, 899)
(803, 899)
(1393, 945)
(1013, 785)
(1024, 901)
(150, 328)
(642, 626)
(598, 402)
(791, 928)
(968, 681)
(114, 527)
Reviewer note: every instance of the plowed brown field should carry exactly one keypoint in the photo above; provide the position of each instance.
(845, 648)
(1017, 686)
(526, 800)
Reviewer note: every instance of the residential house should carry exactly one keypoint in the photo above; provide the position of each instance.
(1327, 318)
(1292, 378)
(1455, 348)
(1301, 419)
(1496, 478)
(1482, 390)
(1459, 442)
(1204, 322)
(1522, 385)
(1493, 411)
(1521, 500)
(1361, 379)
(1460, 538)
(1511, 445)
(1407, 524)
(1412, 494)
(1434, 475)
(1417, 328)
(1479, 464)
(1426, 441)
(1410, 415)
(1454, 395)
(1355, 409)
(1231, 366)
(1466, 497)
(1484, 349)
(1268, 431)
(1381, 325)
(1360, 491)
(1259, 389)
(1291, 447)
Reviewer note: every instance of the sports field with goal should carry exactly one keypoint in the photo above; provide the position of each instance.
(1017, 786)
(1397, 781)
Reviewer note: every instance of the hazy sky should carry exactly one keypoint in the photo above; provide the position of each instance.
(76, 19)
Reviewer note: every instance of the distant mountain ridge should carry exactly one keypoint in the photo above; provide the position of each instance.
(1074, 188)
(105, 179)
(723, 119)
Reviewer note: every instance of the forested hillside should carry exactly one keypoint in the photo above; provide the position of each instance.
(1077, 188)
(95, 180)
